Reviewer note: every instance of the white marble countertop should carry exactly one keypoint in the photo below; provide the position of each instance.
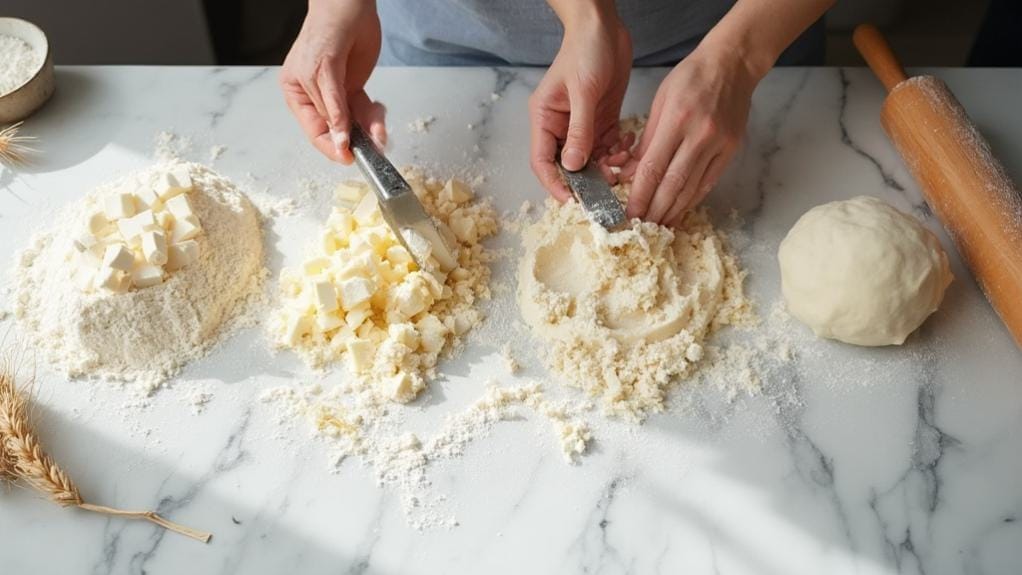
(904, 460)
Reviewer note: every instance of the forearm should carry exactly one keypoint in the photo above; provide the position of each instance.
(760, 30)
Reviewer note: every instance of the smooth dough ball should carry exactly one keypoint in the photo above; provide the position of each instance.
(862, 272)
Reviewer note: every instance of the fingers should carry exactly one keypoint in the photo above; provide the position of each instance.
(331, 89)
(651, 170)
(371, 116)
(681, 171)
(685, 197)
(578, 144)
(544, 125)
(310, 120)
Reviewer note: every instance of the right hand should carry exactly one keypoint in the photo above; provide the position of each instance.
(324, 75)
(578, 102)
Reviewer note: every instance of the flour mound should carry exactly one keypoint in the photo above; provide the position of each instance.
(147, 335)
(625, 313)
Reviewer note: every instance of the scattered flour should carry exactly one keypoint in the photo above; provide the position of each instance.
(19, 61)
(421, 125)
(355, 423)
(144, 336)
(215, 152)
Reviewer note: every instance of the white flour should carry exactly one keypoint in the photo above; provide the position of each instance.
(19, 61)
(143, 336)
(356, 423)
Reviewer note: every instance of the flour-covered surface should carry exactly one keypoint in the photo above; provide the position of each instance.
(846, 461)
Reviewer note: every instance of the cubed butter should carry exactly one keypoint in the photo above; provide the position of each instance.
(132, 228)
(111, 279)
(147, 198)
(154, 247)
(328, 321)
(464, 227)
(98, 223)
(118, 257)
(146, 275)
(179, 207)
(367, 212)
(360, 355)
(297, 326)
(355, 291)
(456, 192)
(401, 387)
(356, 317)
(185, 230)
(350, 192)
(325, 295)
(181, 254)
(119, 205)
(432, 333)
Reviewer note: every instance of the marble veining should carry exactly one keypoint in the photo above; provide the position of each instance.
(866, 461)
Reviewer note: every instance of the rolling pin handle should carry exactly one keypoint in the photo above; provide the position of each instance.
(878, 54)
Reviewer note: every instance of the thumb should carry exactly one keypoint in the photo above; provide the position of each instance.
(578, 144)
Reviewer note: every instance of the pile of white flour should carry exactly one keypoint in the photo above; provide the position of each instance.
(143, 336)
(18, 62)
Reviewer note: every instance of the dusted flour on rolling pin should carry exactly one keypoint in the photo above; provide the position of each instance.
(962, 180)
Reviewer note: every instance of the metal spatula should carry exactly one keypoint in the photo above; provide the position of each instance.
(595, 195)
(400, 207)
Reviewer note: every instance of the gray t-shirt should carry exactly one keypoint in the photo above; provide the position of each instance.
(527, 32)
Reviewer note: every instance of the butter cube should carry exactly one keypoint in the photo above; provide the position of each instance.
(111, 279)
(350, 192)
(180, 208)
(165, 220)
(355, 291)
(328, 321)
(464, 227)
(147, 197)
(405, 334)
(360, 355)
(315, 266)
(185, 230)
(172, 183)
(367, 212)
(456, 192)
(324, 295)
(118, 257)
(182, 254)
(98, 223)
(400, 387)
(409, 300)
(146, 275)
(154, 247)
(132, 228)
(399, 255)
(328, 242)
(296, 327)
(119, 205)
(357, 316)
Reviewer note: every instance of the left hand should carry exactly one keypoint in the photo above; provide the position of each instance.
(694, 128)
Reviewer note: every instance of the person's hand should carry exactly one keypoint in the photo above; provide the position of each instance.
(578, 102)
(325, 72)
(694, 128)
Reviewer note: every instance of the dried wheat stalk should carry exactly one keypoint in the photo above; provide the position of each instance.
(14, 149)
(22, 458)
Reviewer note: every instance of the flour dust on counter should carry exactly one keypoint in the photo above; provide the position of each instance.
(353, 423)
(143, 275)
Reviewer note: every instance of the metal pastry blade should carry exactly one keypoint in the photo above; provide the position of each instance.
(400, 207)
(595, 195)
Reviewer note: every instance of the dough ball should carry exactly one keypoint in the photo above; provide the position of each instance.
(862, 272)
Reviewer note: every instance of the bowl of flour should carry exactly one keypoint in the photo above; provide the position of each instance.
(26, 69)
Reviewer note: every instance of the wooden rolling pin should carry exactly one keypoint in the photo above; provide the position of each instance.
(962, 181)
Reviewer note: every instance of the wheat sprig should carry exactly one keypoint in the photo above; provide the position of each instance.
(14, 148)
(23, 458)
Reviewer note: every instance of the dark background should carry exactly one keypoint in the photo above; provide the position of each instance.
(923, 32)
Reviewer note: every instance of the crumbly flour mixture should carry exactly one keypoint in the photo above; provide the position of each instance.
(362, 297)
(625, 314)
(18, 62)
(142, 335)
